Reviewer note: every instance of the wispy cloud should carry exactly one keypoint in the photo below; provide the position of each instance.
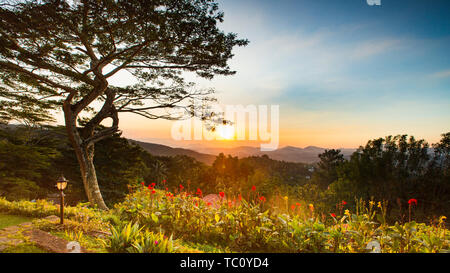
(441, 74)
(372, 48)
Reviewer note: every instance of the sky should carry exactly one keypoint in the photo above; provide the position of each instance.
(342, 72)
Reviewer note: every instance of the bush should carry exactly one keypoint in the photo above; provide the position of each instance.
(131, 238)
(258, 226)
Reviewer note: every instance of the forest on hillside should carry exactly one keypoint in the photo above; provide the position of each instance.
(394, 169)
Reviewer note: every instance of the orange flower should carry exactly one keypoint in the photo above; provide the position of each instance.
(293, 207)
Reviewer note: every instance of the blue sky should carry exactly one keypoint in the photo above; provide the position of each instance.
(343, 72)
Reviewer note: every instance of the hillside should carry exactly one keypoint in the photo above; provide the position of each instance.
(207, 154)
(163, 150)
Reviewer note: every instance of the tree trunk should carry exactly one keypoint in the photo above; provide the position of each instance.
(85, 157)
(90, 178)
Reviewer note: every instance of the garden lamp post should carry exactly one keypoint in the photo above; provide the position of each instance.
(61, 184)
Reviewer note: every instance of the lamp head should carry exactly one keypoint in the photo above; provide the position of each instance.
(61, 183)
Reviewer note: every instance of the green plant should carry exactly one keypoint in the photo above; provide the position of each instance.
(149, 242)
(123, 237)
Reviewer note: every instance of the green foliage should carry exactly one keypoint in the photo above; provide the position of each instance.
(395, 169)
(133, 239)
(12, 220)
(257, 226)
(122, 238)
(23, 162)
(43, 208)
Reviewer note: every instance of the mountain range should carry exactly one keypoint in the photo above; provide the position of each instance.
(208, 155)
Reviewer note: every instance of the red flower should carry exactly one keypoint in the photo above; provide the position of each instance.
(153, 184)
(142, 183)
(164, 181)
(253, 188)
(150, 187)
(181, 187)
(262, 198)
(240, 197)
(222, 194)
(344, 203)
(333, 215)
(297, 204)
(199, 192)
(293, 207)
(153, 191)
(412, 201)
(208, 204)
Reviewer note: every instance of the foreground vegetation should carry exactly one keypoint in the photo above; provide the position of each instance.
(395, 169)
(152, 221)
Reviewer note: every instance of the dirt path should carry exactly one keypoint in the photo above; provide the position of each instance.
(11, 236)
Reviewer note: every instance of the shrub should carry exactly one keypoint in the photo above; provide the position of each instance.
(259, 226)
(131, 238)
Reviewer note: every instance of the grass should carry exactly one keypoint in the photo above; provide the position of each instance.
(24, 248)
(12, 220)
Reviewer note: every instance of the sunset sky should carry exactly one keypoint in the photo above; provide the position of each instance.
(342, 72)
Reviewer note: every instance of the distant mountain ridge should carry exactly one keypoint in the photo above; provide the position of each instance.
(163, 150)
(207, 155)
(308, 154)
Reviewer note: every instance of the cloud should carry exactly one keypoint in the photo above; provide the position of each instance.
(372, 48)
(441, 74)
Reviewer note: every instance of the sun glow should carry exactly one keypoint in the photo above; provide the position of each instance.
(225, 132)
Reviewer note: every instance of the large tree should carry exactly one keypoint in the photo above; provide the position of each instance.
(68, 51)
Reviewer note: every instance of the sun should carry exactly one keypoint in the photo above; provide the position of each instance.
(225, 132)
